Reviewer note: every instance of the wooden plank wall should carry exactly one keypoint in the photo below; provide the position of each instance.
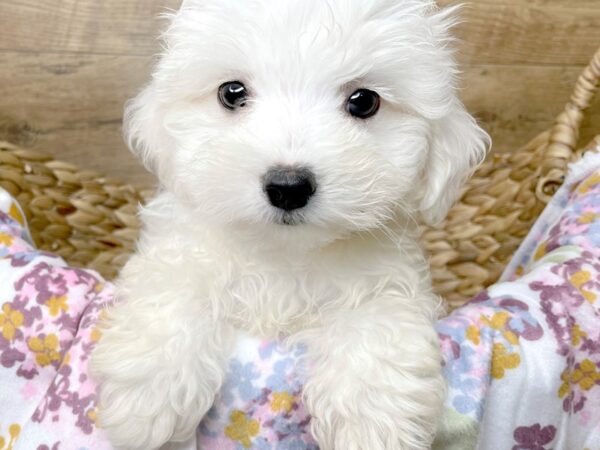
(67, 66)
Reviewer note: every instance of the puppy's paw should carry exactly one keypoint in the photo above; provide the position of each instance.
(145, 401)
(358, 414)
(143, 416)
(130, 428)
(371, 431)
(362, 433)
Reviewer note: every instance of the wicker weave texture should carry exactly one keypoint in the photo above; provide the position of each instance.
(503, 199)
(91, 220)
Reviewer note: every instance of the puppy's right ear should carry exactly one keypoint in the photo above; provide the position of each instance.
(458, 146)
(144, 130)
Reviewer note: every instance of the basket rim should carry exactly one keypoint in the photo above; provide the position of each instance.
(564, 134)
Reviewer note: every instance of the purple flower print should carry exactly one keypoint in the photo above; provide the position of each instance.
(56, 446)
(534, 437)
(10, 357)
(46, 281)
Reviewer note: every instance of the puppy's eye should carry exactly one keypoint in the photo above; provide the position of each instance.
(233, 94)
(363, 104)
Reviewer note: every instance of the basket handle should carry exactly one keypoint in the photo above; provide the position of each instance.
(565, 133)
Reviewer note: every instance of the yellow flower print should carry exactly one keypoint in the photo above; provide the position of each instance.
(520, 270)
(587, 218)
(502, 360)
(499, 322)
(15, 213)
(282, 401)
(473, 334)
(46, 350)
(66, 360)
(565, 387)
(242, 429)
(541, 251)
(57, 304)
(588, 184)
(10, 320)
(14, 430)
(577, 334)
(95, 335)
(6, 239)
(586, 375)
(579, 279)
(92, 415)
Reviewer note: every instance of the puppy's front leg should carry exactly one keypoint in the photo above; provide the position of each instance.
(375, 378)
(161, 358)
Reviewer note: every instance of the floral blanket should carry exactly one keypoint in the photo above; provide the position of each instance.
(522, 360)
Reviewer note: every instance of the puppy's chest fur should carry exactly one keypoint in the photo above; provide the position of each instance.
(281, 293)
(271, 299)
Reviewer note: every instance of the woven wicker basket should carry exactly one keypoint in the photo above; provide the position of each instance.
(91, 220)
(503, 200)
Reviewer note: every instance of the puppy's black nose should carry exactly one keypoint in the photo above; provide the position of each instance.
(289, 188)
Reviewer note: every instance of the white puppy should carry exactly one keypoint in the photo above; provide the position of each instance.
(297, 143)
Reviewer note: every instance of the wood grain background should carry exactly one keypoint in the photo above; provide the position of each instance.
(67, 66)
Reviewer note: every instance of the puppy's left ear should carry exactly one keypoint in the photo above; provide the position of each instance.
(458, 145)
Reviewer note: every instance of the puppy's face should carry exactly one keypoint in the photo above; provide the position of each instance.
(307, 120)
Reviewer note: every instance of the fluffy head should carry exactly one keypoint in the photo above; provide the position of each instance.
(300, 61)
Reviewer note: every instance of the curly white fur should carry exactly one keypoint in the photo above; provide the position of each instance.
(350, 281)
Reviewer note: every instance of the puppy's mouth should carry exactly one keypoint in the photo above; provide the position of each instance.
(289, 219)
